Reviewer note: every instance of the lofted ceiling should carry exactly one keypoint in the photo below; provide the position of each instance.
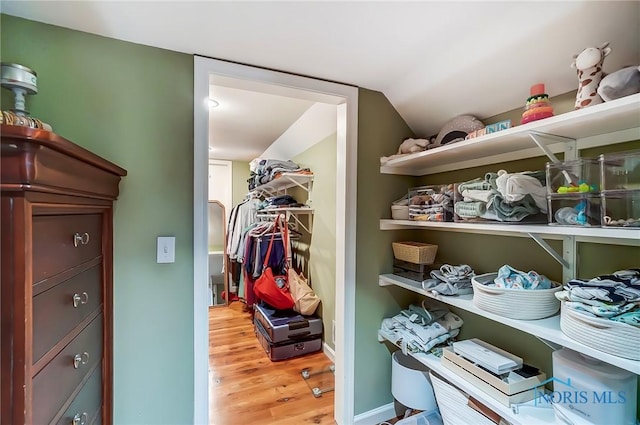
(432, 60)
(246, 122)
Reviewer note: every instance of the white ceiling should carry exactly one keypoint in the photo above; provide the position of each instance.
(246, 122)
(433, 60)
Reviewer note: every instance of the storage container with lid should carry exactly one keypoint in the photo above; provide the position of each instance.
(620, 171)
(621, 208)
(578, 176)
(576, 209)
(588, 391)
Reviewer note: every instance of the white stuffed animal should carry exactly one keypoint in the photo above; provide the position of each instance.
(589, 66)
(412, 146)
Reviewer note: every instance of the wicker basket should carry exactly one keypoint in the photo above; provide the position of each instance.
(415, 252)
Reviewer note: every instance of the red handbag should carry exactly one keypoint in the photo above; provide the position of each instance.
(274, 290)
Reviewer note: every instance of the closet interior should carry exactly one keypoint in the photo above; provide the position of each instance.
(268, 223)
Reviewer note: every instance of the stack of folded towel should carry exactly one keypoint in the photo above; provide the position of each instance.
(450, 280)
(615, 297)
(502, 196)
(420, 328)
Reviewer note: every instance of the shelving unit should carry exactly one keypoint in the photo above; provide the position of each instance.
(582, 234)
(620, 116)
(521, 414)
(286, 181)
(279, 186)
(600, 125)
(291, 214)
(604, 124)
(546, 329)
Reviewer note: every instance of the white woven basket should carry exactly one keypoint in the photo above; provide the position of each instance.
(619, 339)
(453, 405)
(521, 304)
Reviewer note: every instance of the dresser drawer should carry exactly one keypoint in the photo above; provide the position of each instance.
(60, 309)
(87, 404)
(54, 384)
(63, 241)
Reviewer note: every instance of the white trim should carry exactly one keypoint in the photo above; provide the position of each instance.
(200, 250)
(377, 415)
(346, 98)
(328, 351)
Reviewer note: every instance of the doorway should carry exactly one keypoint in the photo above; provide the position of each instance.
(346, 100)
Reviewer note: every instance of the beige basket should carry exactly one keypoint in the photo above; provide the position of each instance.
(415, 252)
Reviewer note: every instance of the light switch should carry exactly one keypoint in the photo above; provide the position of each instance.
(166, 249)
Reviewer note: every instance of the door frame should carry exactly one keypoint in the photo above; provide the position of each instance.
(346, 99)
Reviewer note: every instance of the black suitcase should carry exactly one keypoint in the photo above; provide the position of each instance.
(288, 348)
(284, 325)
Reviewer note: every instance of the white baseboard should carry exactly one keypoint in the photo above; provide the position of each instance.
(377, 415)
(328, 351)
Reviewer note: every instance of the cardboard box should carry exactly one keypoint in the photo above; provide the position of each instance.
(505, 393)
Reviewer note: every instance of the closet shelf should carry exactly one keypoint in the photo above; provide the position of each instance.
(527, 414)
(286, 181)
(290, 213)
(516, 143)
(546, 329)
(581, 234)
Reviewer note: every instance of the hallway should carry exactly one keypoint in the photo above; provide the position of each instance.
(245, 387)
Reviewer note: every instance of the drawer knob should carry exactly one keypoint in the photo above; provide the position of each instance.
(80, 299)
(80, 359)
(80, 239)
(80, 419)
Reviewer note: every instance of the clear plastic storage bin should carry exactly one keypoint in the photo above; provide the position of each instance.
(620, 171)
(468, 210)
(570, 177)
(574, 210)
(621, 208)
(431, 203)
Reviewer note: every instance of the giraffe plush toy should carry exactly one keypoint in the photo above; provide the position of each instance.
(589, 66)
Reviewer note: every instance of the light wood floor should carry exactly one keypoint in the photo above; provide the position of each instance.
(245, 387)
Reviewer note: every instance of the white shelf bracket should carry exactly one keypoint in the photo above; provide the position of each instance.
(559, 258)
(570, 253)
(568, 257)
(570, 150)
(300, 223)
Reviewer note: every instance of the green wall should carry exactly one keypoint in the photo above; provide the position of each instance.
(132, 105)
(380, 131)
(239, 184)
(317, 252)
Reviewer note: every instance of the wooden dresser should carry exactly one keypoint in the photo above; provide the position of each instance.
(56, 280)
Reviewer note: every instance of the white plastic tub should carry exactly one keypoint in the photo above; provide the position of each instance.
(410, 383)
(588, 391)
